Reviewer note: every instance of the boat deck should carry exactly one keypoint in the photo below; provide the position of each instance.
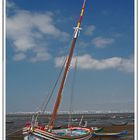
(70, 132)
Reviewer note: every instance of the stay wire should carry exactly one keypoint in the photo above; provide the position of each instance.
(72, 92)
(55, 84)
(49, 95)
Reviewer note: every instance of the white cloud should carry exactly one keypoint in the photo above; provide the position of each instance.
(59, 61)
(127, 65)
(40, 55)
(83, 44)
(101, 42)
(89, 63)
(25, 27)
(27, 30)
(19, 57)
(89, 30)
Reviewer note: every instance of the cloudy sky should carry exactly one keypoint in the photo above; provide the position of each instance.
(38, 38)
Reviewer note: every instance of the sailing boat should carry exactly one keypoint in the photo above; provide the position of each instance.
(35, 131)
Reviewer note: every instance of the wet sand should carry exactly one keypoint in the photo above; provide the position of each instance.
(15, 123)
(108, 128)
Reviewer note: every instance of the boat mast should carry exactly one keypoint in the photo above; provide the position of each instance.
(75, 36)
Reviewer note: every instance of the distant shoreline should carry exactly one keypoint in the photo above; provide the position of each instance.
(82, 113)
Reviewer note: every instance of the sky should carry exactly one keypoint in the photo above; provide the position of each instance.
(38, 38)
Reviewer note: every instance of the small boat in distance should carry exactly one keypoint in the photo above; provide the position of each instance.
(47, 132)
(82, 122)
(119, 123)
(97, 129)
(75, 120)
(113, 117)
(9, 122)
(118, 134)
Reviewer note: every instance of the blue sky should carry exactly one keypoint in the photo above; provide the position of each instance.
(39, 36)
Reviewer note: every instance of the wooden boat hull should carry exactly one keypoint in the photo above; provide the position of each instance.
(61, 134)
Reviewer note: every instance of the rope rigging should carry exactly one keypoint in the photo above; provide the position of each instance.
(72, 91)
(50, 94)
